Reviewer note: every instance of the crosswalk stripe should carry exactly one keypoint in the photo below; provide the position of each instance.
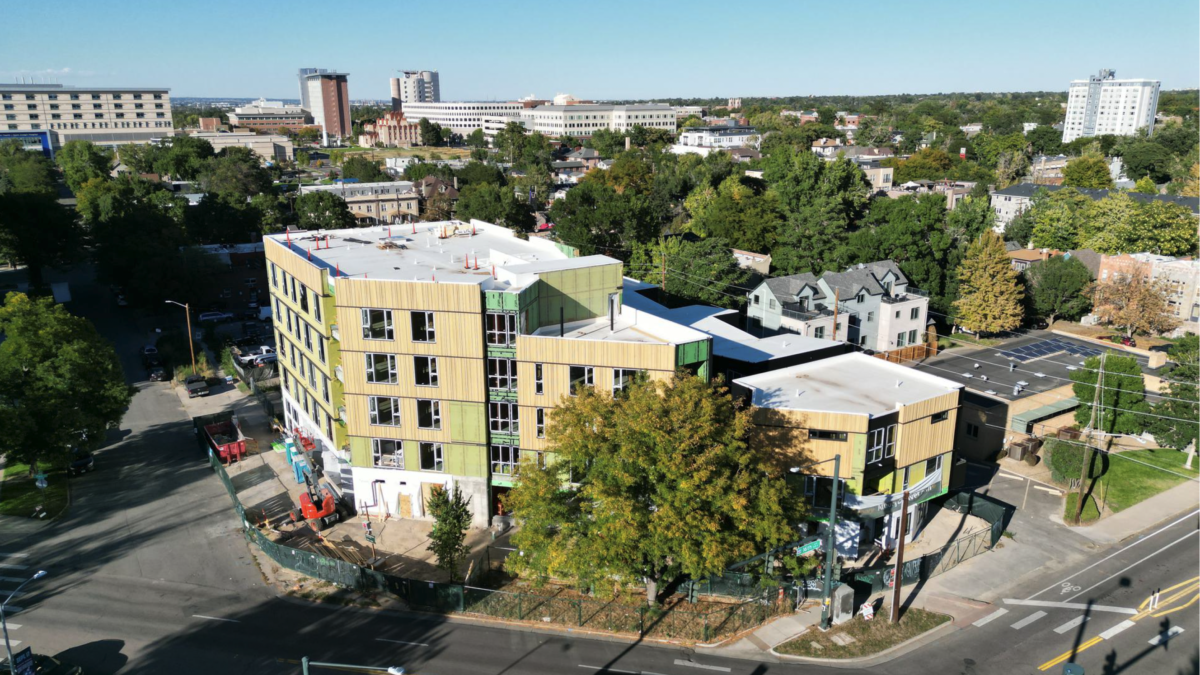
(1070, 624)
(10, 566)
(14, 643)
(1163, 637)
(14, 626)
(1028, 620)
(13, 555)
(1112, 632)
(988, 619)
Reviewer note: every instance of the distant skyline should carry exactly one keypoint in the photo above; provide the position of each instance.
(603, 50)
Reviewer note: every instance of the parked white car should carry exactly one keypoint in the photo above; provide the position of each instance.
(215, 316)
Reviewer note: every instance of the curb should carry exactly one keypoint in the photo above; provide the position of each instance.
(909, 645)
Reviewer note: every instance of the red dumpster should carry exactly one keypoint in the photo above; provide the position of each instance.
(226, 441)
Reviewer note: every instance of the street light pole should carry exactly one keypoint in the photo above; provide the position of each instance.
(826, 615)
(4, 623)
(192, 348)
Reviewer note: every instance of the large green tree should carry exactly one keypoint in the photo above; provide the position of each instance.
(737, 212)
(594, 218)
(1088, 171)
(1119, 224)
(494, 204)
(61, 385)
(364, 170)
(24, 171)
(1178, 420)
(323, 210)
(235, 174)
(990, 294)
(703, 272)
(1059, 218)
(39, 232)
(1058, 288)
(1120, 407)
(82, 161)
(663, 481)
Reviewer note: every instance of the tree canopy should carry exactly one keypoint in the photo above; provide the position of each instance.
(323, 210)
(61, 385)
(990, 296)
(82, 161)
(1121, 405)
(663, 481)
(1057, 288)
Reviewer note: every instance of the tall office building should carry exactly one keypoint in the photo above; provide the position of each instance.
(110, 116)
(1103, 105)
(304, 73)
(415, 86)
(329, 102)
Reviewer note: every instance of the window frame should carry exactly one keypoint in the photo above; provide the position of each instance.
(435, 449)
(539, 422)
(431, 371)
(828, 435)
(393, 375)
(504, 417)
(368, 326)
(539, 381)
(435, 414)
(506, 332)
(373, 417)
(624, 377)
(499, 464)
(501, 381)
(377, 453)
(588, 379)
(428, 328)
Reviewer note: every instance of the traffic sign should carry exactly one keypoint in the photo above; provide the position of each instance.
(23, 662)
(370, 539)
(809, 546)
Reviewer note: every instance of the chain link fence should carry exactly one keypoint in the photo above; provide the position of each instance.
(552, 606)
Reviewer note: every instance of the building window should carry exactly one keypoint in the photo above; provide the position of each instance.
(870, 317)
(429, 414)
(771, 304)
(889, 446)
(502, 374)
(581, 376)
(822, 435)
(381, 368)
(915, 313)
(274, 275)
(912, 336)
(539, 425)
(900, 339)
(431, 457)
(939, 417)
(502, 417)
(539, 384)
(504, 459)
(426, 370)
(972, 430)
(933, 464)
(819, 332)
(308, 337)
(875, 445)
(422, 326)
(501, 329)
(755, 299)
(321, 348)
(387, 453)
(384, 410)
(624, 377)
(377, 324)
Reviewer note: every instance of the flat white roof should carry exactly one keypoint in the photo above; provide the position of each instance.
(728, 340)
(621, 330)
(446, 251)
(853, 384)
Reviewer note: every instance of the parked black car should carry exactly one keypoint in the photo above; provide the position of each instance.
(82, 462)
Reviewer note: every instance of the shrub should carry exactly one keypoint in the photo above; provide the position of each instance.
(1065, 459)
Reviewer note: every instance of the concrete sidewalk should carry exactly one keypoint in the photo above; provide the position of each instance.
(1144, 515)
(770, 635)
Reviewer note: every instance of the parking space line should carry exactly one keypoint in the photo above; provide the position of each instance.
(1112, 632)
(1070, 624)
(402, 642)
(1028, 620)
(681, 662)
(606, 669)
(990, 617)
(215, 618)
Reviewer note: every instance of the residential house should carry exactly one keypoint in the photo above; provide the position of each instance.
(871, 305)
(1014, 200)
(1023, 258)
(891, 428)
(758, 262)
(954, 191)
(828, 148)
(1047, 169)
(387, 202)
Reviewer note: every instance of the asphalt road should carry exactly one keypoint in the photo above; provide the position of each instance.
(148, 574)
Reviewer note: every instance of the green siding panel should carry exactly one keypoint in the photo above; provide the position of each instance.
(468, 422)
(360, 452)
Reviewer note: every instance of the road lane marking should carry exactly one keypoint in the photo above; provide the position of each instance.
(1056, 493)
(14, 643)
(606, 669)
(1115, 553)
(1117, 574)
(14, 626)
(402, 642)
(11, 566)
(1112, 632)
(1168, 590)
(1069, 654)
(990, 617)
(1028, 620)
(1176, 609)
(215, 618)
(14, 555)
(1162, 638)
(681, 662)
(1071, 605)
(1070, 624)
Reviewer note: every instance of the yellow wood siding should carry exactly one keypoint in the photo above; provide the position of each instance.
(922, 439)
(394, 294)
(786, 432)
(596, 353)
(556, 379)
(359, 421)
(296, 264)
(456, 333)
(458, 379)
(928, 407)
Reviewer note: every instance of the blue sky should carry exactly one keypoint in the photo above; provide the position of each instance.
(602, 50)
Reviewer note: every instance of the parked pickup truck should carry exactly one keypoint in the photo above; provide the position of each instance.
(249, 355)
(196, 386)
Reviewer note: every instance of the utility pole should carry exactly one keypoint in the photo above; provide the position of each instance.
(830, 552)
(1087, 442)
(898, 576)
(835, 311)
(664, 268)
(188, 313)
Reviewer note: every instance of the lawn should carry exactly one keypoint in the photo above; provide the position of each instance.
(382, 153)
(1128, 480)
(1090, 511)
(870, 637)
(19, 494)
